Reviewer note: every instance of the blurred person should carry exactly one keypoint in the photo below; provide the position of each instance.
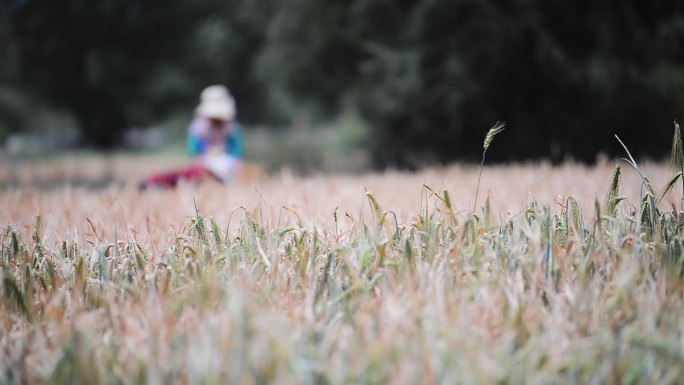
(214, 142)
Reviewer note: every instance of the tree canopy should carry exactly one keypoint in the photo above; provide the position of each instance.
(115, 63)
(432, 76)
(429, 77)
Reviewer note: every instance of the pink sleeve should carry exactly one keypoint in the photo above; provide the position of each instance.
(199, 128)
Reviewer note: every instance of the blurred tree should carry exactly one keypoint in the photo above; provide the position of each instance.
(10, 114)
(226, 45)
(113, 63)
(91, 58)
(431, 76)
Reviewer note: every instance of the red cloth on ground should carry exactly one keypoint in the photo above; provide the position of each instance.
(194, 173)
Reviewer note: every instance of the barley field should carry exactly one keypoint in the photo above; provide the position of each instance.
(570, 274)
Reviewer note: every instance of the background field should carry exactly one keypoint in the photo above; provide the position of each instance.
(370, 278)
(61, 185)
(335, 261)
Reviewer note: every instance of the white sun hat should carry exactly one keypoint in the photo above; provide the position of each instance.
(217, 109)
(215, 92)
(216, 103)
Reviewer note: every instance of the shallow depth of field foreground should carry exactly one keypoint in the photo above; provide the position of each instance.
(381, 278)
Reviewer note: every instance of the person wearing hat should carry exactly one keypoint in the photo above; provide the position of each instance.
(214, 137)
(214, 141)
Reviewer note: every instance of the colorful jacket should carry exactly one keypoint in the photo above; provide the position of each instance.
(202, 138)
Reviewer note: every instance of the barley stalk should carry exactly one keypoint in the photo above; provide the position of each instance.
(612, 198)
(677, 158)
(496, 128)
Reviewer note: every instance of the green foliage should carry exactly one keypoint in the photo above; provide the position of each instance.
(427, 75)
(113, 64)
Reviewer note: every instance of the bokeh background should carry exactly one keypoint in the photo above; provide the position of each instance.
(348, 85)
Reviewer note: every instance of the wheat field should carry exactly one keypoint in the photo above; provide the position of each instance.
(374, 278)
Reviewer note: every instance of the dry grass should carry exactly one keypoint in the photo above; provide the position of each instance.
(335, 280)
